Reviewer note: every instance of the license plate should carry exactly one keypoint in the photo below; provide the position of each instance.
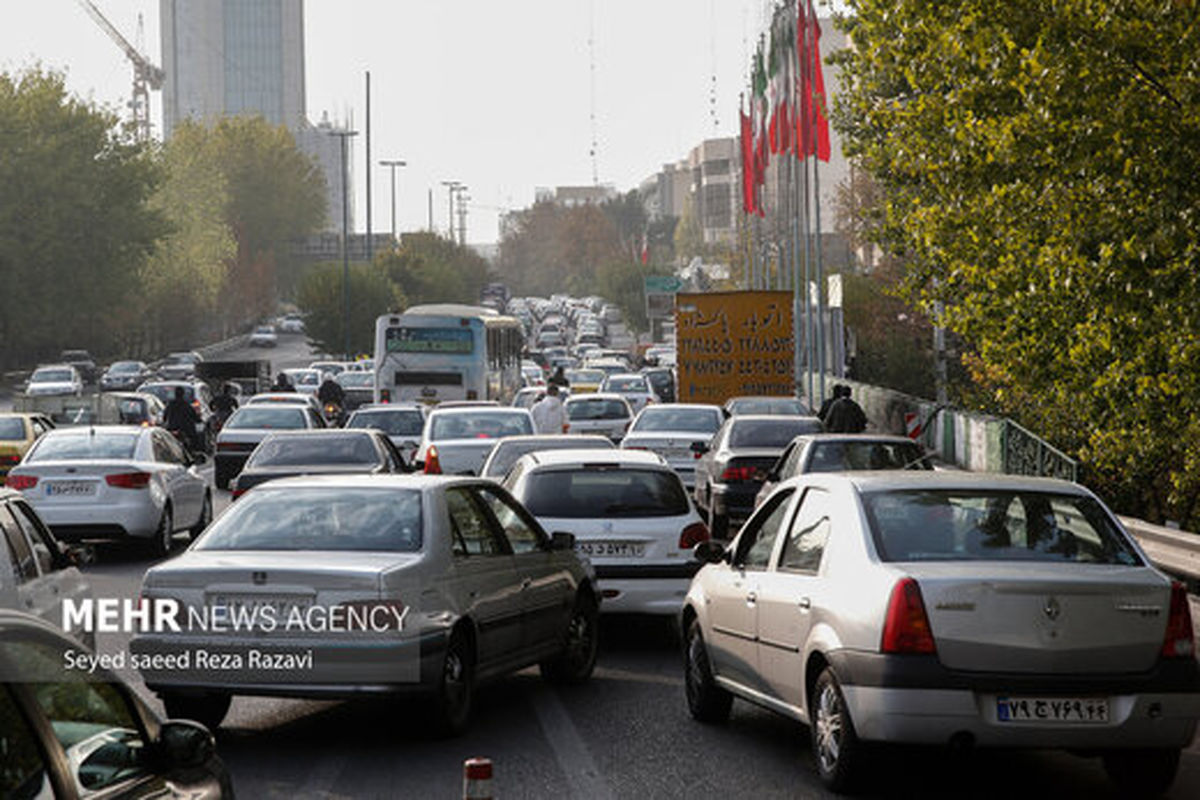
(611, 549)
(1070, 710)
(70, 488)
(253, 610)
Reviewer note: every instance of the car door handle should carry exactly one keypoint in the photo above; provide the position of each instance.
(805, 603)
(751, 598)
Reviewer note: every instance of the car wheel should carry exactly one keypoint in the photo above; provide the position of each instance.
(836, 747)
(207, 709)
(163, 538)
(1142, 773)
(455, 688)
(206, 514)
(706, 701)
(578, 658)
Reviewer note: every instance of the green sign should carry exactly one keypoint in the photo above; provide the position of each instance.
(663, 284)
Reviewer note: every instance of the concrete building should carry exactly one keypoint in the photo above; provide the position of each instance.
(570, 196)
(229, 57)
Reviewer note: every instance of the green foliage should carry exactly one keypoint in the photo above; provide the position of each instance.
(428, 268)
(894, 345)
(623, 283)
(75, 224)
(1040, 167)
(689, 235)
(319, 296)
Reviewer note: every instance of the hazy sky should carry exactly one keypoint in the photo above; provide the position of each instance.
(493, 93)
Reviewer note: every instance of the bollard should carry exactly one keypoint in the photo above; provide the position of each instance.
(477, 779)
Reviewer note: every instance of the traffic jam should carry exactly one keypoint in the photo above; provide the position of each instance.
(490, 489)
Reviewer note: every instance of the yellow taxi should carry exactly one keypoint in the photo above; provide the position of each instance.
(584, 381)
(18, 432)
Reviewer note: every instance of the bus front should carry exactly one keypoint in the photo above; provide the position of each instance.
(428, 359)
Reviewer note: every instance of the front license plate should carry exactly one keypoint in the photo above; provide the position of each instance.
(70, 488)
(611, 549)
(1069, 710)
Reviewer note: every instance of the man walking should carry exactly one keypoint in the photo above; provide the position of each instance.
(845, 415)
(549, 415)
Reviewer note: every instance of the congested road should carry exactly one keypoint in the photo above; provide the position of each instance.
(626, 733)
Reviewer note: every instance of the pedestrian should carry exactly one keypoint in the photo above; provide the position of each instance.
(549, 414)
(845, 415)
(839, 390)
(282, 384)
(559, 379)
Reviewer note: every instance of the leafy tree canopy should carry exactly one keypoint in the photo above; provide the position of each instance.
(319, 296)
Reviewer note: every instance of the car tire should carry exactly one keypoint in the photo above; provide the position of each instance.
(707, 702)
(164, 535)
(580, 644)
(206, 515)
(836, 748)
(455, 686)
(207, 709)
(1142, 773)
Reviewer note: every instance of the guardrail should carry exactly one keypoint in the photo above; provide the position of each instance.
(1173, 551)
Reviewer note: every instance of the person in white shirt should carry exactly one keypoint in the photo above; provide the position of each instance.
(549, 415)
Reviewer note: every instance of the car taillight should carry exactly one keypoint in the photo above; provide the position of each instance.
(906, 629)
(385, 396)
(374, 615)
(432, 465)
(128, 480)
(739, 474)
(232, 447)
(634, 447)
(9, 460)
(693, 535)
(1179, 641)
(21, 482)
(234, 494)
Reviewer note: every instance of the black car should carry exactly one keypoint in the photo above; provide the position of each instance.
(125, 375)
(66, 734)
(82, 361)
(321, 452)
(662, 381)
(734, 465)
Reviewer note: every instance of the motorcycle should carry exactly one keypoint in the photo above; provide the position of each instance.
(335, 416)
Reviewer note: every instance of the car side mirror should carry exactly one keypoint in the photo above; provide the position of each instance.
(185, 744)
(699, 448)
(560, 540)
(709, 552)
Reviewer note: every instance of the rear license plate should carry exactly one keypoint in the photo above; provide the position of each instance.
(255, 610)
(611, 549)
(1068, 710)
(70, 488)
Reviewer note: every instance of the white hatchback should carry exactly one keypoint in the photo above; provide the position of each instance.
(604, 414)
(629, 514)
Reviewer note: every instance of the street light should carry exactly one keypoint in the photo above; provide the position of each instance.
(345, 137)
(393, 165)
(452, 187)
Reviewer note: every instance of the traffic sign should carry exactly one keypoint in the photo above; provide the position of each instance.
(662, 284)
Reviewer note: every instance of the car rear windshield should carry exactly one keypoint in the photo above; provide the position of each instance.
(973, 525)
(507, 453)
(166, 392)
(584, 375)
(122, 367)
(12, 428)
(582, 410)
(83, 447)
(768, 405)
(49, 375)
(261, 416)
(310, 519)
(304, 378)
(596, 492)
(303, 450)
(841, 456)
(479, 425)
(393, 423)
(665, 418)
(771, 432)
(356, 380)
(627, 385)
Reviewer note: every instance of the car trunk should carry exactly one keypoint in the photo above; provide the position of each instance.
(82, 483)
(1043, 617)
(463, 456)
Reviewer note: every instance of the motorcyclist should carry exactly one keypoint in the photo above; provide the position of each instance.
(282, 384)
(182, 419)
(224, 404)
(330, 391)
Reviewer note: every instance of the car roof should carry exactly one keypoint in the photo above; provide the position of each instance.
(741, 418)
(490, 409)
(534, 438)
(369, 407)
(325, 433)
(92, 430)
(280, 397)
(621, 458)
(54, 366)
(415, 480)
(625, 375)
(871, 438)
(880, 480)
(596, 396)
(660, 407)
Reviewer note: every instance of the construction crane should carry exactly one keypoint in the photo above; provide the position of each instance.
(146, 74)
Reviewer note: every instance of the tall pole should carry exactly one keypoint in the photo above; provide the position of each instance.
(370, 242)
(431, 210)
(451, 188)
(805, 112)
(345, 137)
(817, 214)
(392, 166)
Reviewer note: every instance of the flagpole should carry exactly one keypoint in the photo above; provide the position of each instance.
(806, 101)
(817, 212)
(798, 154)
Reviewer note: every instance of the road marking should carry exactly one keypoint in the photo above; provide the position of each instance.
(610, 674)
(570, 751)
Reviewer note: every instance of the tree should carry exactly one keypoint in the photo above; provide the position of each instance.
(689, 235)
(551, 248)
(75, 224)
(428, 268)
(319, 296)
(1041, 169)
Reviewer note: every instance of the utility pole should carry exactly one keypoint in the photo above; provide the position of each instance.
(431, 211)
(345, 137)
(462, 215)
(392, 165)
(451, 188)
(370, 242)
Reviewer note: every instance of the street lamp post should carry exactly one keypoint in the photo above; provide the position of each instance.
(392, 165)
(345, 137)
(451, 187)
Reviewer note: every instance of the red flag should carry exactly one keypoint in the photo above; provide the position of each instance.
(812, 90)
(748, 169)
(645, 248)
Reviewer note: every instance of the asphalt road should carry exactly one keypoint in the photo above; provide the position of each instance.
(626, 734)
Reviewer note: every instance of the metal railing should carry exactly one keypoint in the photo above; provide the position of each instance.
(1027, 454)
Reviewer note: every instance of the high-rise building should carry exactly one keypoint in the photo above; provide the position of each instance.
(229, 57)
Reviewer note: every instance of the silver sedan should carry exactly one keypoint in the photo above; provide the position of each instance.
(946, 608)
(114, 483)
(355, 586)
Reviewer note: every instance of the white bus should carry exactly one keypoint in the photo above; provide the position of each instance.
(439, 352)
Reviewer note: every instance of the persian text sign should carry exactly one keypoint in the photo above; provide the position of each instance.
(733, 343)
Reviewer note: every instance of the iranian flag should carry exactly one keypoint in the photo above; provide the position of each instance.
(812, 124)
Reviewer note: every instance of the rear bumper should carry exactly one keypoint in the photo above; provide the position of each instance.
(735, 501)
(914, 699)
(107, 522)
(644, 588)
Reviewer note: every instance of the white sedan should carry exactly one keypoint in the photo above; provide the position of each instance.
(54, 379)
(114, 483)
(264, 336)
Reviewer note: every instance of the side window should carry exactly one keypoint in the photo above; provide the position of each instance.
(24, 564)
(159, 446)
(172, 451)
(44, 545)
(38, 427)
(522, 537)
(757, 538)
(22, 773)
(514, 475)
(805, 542)
(791, 461)
(113, 750)
(473, 534)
